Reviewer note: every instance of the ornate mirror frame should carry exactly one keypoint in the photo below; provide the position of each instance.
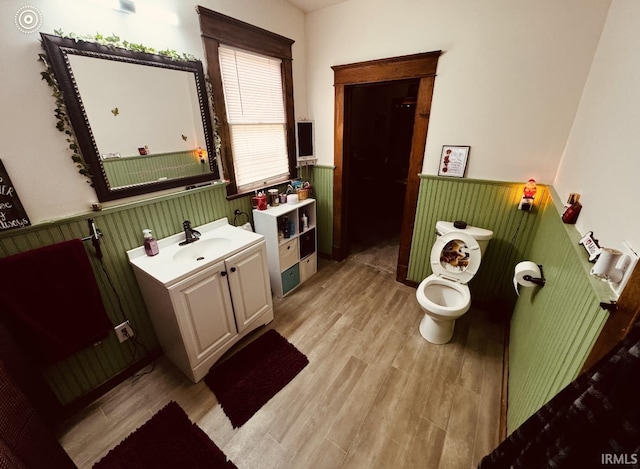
(57, 51)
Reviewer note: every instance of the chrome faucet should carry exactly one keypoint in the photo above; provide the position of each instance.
(190, 235)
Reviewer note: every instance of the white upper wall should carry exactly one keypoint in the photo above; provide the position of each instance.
(509, 80)
(34, 153)
(601, 160)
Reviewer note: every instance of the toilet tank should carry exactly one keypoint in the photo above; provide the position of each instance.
(481, 235)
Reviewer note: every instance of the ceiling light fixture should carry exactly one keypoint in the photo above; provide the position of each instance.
(140, 9)
(127, 6)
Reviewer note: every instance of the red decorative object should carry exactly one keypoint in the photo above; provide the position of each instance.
(530, 189)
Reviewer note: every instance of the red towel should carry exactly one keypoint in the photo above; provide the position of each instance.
(50, 301)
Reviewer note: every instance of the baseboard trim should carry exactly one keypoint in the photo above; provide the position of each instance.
(504, 399)
(80, 403)
(407, 282)
(324, 255)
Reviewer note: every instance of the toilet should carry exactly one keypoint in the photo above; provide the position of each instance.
(444, 296)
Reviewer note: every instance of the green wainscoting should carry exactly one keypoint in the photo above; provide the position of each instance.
(122, 229)
(322, 182)
(553, 328)
(132, 170)
(487, 204)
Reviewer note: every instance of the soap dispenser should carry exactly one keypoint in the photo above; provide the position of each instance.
(150, 244)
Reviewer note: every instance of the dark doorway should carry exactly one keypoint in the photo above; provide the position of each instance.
(404, 69)
(379, 128)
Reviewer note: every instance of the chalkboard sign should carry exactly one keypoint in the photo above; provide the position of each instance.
(12, 214)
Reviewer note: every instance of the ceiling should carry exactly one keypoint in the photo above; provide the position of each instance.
(311, 5)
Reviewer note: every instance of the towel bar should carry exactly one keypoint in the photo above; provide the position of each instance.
(237, 213)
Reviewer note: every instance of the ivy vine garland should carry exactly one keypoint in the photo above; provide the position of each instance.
(63, 124)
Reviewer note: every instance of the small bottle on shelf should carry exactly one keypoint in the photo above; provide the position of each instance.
(305, 221)
(285, 227)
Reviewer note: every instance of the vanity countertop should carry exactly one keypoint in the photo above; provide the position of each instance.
(174, 263)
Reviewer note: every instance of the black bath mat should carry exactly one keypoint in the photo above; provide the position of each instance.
(167, 441)
(247, 380)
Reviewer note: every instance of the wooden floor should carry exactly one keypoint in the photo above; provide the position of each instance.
(374, 395)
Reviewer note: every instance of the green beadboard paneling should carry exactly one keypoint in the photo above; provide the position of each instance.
(322, 182)
(132, 170)
(553, 328)
(122, 230)
(487, 204)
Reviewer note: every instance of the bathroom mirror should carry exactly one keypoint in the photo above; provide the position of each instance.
(142, 121)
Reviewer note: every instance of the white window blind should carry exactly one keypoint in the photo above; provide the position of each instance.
(255, 112)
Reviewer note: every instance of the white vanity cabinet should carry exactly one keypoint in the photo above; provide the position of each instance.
(292, 255)
(248, 276)
(200, 314)
(201, 332)
(215, 306)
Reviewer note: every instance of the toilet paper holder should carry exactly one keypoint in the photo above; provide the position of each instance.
(612, 306)
(540, 281)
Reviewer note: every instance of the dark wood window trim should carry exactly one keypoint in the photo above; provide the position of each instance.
(219, 29)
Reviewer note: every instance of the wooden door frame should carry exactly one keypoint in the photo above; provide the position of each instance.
(417, 66)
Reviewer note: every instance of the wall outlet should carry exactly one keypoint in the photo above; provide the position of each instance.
(124, 331)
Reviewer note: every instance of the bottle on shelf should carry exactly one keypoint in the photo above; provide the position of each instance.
(305, 221)
(285, 227)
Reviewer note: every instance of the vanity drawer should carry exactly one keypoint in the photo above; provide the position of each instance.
(290, 279)
(288, 254)
(307, 243)
(308, 267)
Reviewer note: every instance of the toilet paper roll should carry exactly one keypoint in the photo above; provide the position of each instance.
(292, 199)
(606, 262)
(523, 269)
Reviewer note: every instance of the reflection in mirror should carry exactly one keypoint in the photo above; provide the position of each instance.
(141, 120)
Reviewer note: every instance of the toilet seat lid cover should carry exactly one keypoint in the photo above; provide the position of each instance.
(455, 256)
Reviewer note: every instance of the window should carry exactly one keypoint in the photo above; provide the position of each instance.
(250, 72)
(255, 115)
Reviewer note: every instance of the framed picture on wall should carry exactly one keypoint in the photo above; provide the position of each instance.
(453, 161)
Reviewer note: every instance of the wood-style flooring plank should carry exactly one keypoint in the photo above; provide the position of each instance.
(373, 445)
(437, 408)
(461, 432)
(488, 431)
(350, 417)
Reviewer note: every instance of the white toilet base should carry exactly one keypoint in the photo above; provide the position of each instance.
(436, 332)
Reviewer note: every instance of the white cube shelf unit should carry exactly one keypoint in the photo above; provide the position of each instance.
(292, 252)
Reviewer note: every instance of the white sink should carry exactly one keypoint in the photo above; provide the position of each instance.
(174, 263)
(202, 249)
